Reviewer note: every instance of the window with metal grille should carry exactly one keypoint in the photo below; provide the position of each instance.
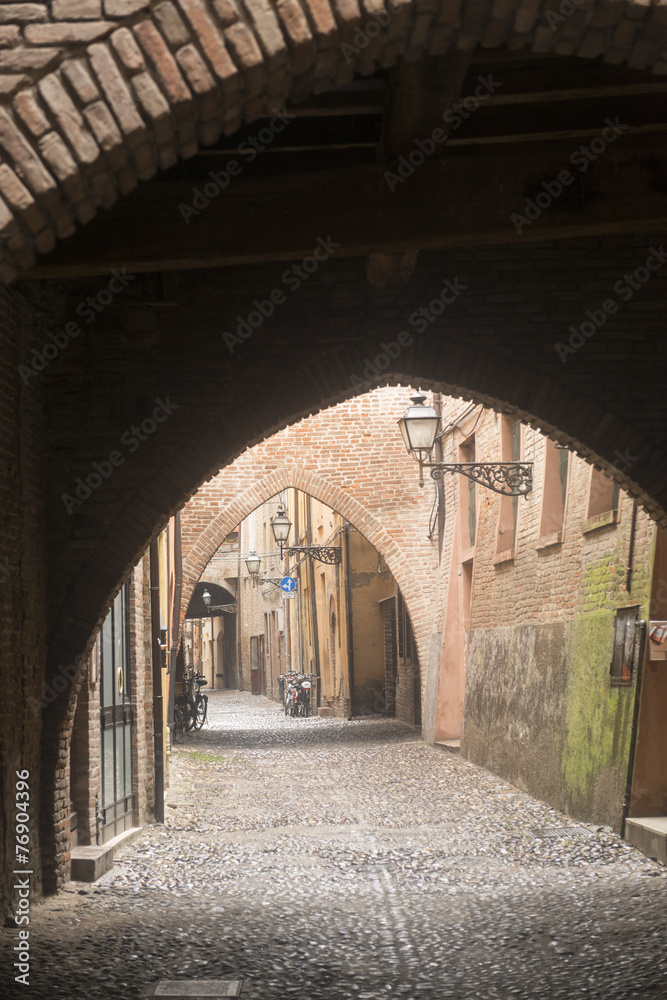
(628, 635)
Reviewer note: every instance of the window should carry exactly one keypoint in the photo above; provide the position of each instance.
(468, 497)
(603, 494)
(628, 638)
(555, 492)
(510, 451)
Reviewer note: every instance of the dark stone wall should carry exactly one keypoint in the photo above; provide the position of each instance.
(24, 317)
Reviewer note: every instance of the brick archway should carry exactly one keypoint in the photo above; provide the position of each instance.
(98, 95)
(509, 364)
(418, 587)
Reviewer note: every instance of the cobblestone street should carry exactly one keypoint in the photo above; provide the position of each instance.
(322, 859)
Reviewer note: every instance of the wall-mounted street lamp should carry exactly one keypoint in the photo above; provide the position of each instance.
(281, 527)
(419, 428)
(253, 563)
(206, 598)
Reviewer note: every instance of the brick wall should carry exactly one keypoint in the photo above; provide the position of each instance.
(540, 709)
(85, 759)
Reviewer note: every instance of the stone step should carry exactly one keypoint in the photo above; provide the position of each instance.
(454, 746)
(649, 835)
(91, 862)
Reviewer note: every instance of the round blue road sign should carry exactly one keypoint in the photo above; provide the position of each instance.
(288, 584)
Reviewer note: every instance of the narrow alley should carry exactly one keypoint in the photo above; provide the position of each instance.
(325, 858)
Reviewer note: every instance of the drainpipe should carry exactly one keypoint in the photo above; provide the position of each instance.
(348, 618)
(631, 548)
(156, 663)
(439, 483)
(313, 597)
(175, 617)
(640, 637)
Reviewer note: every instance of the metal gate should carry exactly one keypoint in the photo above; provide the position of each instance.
(116, 720)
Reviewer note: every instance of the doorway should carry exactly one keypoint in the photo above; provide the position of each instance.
(117, 805)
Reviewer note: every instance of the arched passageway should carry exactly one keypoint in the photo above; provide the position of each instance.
(124, 394)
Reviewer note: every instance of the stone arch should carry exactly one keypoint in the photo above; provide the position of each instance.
(93, 105)
(418, 591)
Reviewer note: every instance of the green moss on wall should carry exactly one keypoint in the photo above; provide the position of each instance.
(597, 722)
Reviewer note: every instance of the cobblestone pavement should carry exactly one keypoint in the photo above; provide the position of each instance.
(320, 859)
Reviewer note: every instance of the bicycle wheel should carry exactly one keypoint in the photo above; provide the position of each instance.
(179, 721)
(201, 704)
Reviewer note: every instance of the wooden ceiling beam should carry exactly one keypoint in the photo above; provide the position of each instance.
(418, 96)
(466, 199)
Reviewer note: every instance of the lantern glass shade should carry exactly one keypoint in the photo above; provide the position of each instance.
(419, 427)
(281, 527)
(404, 434)
(206, 597)
(252, 562)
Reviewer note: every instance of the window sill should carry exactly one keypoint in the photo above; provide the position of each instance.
(548, 541)
(599, 521)
(509, 555)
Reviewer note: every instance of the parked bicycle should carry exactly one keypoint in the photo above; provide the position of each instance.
(296, 693)
(200, 702)
(191, 706)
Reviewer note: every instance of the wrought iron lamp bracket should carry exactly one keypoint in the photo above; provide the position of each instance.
(510, 479)
(330, 554)
(229, 608)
